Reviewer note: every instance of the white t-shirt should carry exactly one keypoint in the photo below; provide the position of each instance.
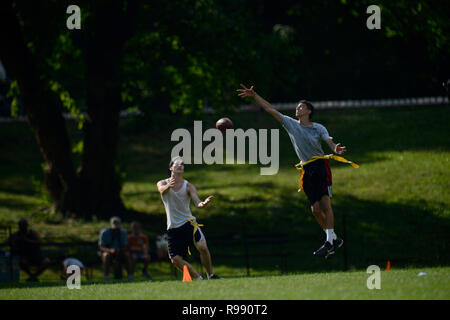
(305, 139)
(177, 205)
(73, 261)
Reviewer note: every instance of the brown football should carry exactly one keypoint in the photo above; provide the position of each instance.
(223, 124)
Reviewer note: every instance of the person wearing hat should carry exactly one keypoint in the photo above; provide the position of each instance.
(113, 248)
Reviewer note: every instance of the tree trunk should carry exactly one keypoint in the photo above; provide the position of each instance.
(98, 174)
(99, 171)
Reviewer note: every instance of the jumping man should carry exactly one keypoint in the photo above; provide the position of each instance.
(316, 174)
(182, 228)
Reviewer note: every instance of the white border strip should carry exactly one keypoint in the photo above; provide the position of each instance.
(367, 103)
(334, 104)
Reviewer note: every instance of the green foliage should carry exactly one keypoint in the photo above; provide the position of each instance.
(14, 93)
(185, 56)
(193, 57)
(70, 106)
(77, 148)
(40, 189)
(121, 174)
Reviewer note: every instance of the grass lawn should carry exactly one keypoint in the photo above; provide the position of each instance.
(396, 205)
(395, 284)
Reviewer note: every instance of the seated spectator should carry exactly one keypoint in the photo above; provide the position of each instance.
(113, 249)
(70, 261)
(139, 248)
(446, 86)
(26, 243)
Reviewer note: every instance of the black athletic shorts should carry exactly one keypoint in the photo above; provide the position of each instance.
(317, 180)
(179, 239)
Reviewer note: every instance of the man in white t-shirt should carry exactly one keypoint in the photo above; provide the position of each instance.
(182, 228)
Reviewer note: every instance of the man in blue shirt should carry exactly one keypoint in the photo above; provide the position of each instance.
(113, 247)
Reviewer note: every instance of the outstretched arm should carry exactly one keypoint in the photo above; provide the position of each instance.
(192, 192)
(336, 148)
(163, 186)
(249, 92)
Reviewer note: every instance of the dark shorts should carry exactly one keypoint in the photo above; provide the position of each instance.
(317, 180)
(138, 255)
(122, 256)
(179, 239)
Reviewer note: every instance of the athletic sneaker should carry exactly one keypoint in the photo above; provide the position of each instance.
(338, 242)
(326, 251)
(213, 276)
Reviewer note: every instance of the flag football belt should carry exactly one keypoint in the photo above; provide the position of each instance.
(195, 225)
(300, 165)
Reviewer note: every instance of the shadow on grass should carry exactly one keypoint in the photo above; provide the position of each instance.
(49, 284)
(365, 132)
(408, 233)
(52, 284)
(17, 204)
(405, 234)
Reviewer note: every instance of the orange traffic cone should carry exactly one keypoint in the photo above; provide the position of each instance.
(388, 265)
(186, 275)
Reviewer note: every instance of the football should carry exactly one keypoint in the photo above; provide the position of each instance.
(223, 124)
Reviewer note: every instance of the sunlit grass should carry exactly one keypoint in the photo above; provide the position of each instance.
(395, 284)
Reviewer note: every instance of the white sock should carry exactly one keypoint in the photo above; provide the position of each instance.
(199, 278)
(330, 235)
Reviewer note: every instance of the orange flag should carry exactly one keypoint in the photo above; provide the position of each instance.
(186, 275)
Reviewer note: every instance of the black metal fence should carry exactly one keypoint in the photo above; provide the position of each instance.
(277, 250)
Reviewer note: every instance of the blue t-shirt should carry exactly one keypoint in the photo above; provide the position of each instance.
(112, 239)
(305, 139)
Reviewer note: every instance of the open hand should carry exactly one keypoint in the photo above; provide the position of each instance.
(171, 183)
(339, 150)
(204, 203)
(246, 92)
